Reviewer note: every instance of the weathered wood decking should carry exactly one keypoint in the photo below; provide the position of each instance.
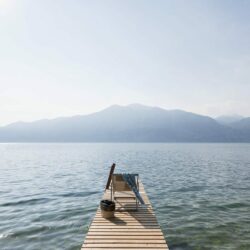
(128, 230)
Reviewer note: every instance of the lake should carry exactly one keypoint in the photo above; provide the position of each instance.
(200, 192)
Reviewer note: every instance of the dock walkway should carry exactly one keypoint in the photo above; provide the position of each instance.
(128, 230)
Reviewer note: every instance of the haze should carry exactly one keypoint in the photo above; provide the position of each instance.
(62, 58)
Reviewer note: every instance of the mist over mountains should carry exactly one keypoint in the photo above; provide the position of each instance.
(132, 123)
(228, 119)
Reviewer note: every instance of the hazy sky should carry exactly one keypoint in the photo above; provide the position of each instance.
(61, 57)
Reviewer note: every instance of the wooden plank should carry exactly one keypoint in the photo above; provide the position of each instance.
(123, 233)
(119, 245)
(149, 237)
(124, 248)
(120, 241)
(124, 229)
(128, 230)
(130, 227)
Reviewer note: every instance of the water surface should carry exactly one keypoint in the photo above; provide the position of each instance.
(50, 192)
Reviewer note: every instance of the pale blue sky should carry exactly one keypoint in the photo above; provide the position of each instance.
(62, 58)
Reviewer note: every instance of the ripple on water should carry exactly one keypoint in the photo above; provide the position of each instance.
(50, 192)
(26, 202)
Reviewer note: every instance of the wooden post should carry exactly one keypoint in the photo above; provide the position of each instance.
(110, 175)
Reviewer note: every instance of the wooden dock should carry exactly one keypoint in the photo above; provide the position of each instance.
(128, 230)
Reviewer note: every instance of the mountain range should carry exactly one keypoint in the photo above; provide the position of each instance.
(132, 123)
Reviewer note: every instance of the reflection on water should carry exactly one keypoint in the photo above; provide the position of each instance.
(200, 192)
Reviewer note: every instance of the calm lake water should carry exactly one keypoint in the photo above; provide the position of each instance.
(50, 192)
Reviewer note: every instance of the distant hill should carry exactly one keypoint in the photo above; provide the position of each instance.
(228, 119)
(132, 123)
(242, 126)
